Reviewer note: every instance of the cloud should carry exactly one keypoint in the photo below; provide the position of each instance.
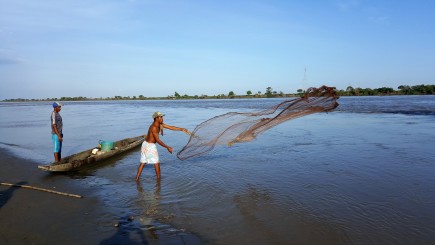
(347, 5)
(381, 20)
(9, 61)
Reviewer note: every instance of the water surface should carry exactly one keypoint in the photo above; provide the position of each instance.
(362, 174)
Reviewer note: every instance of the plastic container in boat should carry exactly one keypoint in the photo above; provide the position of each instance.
(106, 145)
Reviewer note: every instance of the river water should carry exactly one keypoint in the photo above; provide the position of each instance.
(362, 174)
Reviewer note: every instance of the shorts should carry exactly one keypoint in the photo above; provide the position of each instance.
(57, 145)
(149, 153)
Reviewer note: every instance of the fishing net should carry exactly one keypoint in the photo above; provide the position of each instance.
(237, 127)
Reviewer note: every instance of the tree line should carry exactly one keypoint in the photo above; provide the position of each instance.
(268, 93)
(401, 90)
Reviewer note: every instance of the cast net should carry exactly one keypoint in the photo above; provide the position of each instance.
(237, 127)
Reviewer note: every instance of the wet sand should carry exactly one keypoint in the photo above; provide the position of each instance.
(30, 216)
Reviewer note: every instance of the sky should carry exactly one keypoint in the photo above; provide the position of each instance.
(154, 48)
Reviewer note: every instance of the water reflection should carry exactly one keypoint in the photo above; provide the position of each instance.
(149, 202)
(151, 216)
(150, 199)
(127, 233)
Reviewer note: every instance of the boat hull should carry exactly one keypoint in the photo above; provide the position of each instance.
(86, 158)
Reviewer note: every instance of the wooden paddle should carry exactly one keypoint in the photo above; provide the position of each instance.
(41, 189)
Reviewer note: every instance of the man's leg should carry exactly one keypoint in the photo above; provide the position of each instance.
(139, 170)
(56, 148)
(157, 168)
(56, 157)
(60, 151)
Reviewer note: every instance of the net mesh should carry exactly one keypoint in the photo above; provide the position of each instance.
(237, 127)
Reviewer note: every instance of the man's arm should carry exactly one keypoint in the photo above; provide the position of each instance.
(176, 128)
(57, 132)
(155, 134)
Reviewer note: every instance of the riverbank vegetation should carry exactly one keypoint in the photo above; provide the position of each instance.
(268, 93)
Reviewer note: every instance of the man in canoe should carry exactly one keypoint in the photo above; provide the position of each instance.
(149, 153)
(56, 131)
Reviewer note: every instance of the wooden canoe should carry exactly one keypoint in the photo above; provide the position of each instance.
(86, 158)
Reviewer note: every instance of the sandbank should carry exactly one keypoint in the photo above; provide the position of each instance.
(30, 216)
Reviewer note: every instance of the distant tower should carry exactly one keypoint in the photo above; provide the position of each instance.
(305, 76)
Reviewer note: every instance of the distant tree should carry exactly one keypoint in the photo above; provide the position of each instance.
(230, 94)
(417, 89)
(405, 89)
(430, 89)
(177, 95)
(268, 92)
(357, 91)
(248, 92)
(423, 89)
(350, 90)
(385, 90)
(368, 91)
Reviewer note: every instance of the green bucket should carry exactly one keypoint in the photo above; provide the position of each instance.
(106, 145)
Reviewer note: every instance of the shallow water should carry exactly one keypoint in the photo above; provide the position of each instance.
(362, 174)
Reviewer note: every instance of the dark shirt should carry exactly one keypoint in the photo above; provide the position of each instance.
(56, 119)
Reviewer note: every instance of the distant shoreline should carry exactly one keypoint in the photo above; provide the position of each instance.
(350, 91)
(208, 98)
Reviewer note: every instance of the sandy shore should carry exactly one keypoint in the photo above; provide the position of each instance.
(30, 216)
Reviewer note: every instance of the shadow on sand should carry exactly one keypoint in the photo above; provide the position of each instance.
(7, 194)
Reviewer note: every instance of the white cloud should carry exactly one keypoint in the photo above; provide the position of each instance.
(347, 5)
(382, 20)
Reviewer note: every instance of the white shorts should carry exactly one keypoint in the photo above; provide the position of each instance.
(149, 153)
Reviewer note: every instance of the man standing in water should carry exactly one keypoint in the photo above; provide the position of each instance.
(56, 131)
(149, 153)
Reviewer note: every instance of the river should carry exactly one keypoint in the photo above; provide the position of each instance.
(362, 174)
